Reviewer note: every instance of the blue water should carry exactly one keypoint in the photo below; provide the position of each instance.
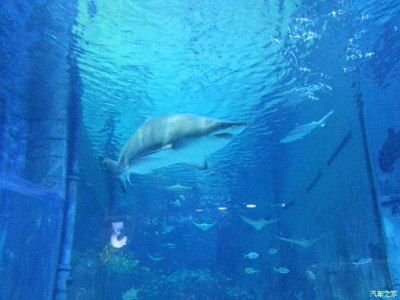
(303, 204)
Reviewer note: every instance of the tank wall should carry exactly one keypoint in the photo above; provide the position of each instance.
(34, 95)
(383, 114)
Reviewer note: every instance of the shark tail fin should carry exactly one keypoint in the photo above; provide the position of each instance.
(244, 255)
(110, 165)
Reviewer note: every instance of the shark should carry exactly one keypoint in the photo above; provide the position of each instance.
(171, 139)
(179, 188)
(259, 224)
(302, 130)
(202, 226)
(305, 243)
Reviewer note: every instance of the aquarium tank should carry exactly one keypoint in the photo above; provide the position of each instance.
(199, 150)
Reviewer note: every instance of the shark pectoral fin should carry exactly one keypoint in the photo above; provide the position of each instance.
(193, 155)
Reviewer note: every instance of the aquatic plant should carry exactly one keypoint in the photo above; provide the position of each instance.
(118, 261)
(180, 283)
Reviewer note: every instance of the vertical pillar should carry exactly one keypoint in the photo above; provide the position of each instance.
(372, 187)
(64, 265)
(68, 224)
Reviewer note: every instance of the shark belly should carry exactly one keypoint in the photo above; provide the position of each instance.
(192, 151)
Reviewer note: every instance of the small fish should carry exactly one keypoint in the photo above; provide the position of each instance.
(272, 251)
(155, 257)
(167, 229)
(135, 262)
(146, 269)
(178, 188)
(362, 262)
(251, 271)
(282, 270)
(169, 245)
(176, 203)
(311, 275)
(369, 54)
(251, 255)
(283, 205)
